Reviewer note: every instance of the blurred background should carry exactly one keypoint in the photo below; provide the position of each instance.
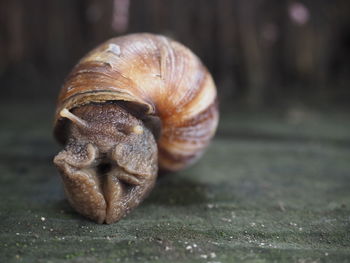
(262, 53)
(272, 187)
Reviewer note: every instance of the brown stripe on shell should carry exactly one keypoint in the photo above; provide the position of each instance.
(93, 75)
(173, 162)
(182, 74)
(186, 141)
(204, 120)
(206, 115)
(91, 67)
(204, 97)
(194, 89)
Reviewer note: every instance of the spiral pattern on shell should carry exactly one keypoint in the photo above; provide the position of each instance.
(155, 77)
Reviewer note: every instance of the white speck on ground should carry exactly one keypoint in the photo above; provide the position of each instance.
(189, 248)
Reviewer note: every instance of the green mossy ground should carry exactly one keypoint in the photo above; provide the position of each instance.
(271, 188)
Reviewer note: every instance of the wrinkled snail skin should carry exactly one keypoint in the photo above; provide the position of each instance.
(109, 164)
(133, 104)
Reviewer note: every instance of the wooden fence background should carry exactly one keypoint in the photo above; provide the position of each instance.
(261, 52)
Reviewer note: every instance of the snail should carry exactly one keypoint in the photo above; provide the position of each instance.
(134, 105)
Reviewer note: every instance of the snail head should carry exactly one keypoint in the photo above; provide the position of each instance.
(109, 163)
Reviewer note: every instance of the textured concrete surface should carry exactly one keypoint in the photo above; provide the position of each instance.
(271, 188)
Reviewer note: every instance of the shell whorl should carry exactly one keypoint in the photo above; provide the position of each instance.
(161, 76)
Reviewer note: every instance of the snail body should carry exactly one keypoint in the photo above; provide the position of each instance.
(133, 105)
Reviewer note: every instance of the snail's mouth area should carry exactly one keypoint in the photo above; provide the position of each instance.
(97, 187)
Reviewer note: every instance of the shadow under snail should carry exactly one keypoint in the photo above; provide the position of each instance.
(133, 105)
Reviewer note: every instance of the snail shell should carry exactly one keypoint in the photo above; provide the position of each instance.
(153, 87)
